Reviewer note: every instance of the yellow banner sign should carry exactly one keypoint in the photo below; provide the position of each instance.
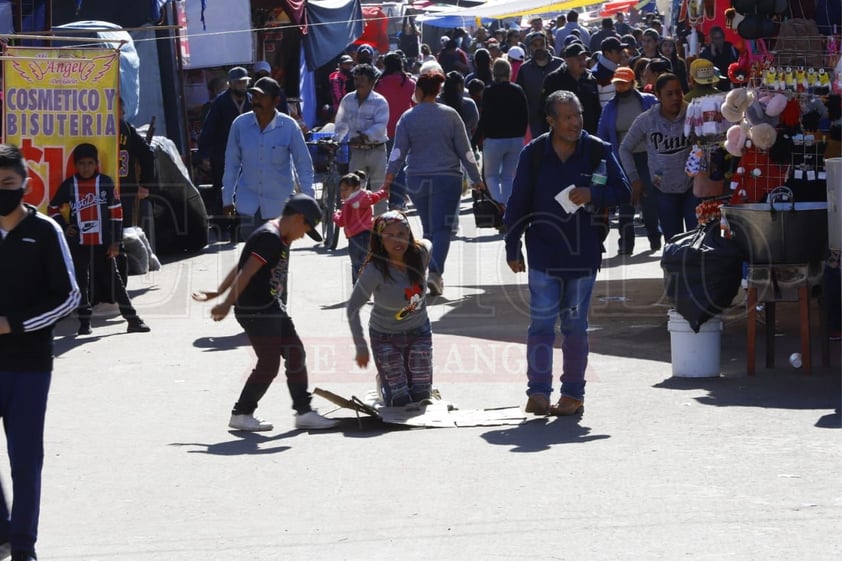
(54, 100)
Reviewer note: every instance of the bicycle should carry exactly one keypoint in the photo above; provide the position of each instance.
(329, 196)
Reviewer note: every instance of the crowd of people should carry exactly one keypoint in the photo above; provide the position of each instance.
(559, 123)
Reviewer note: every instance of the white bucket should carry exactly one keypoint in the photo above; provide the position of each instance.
(694, 355)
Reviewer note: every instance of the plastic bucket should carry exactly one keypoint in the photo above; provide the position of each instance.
(694, 355)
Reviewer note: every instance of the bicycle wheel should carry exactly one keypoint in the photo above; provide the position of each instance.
(330, 233)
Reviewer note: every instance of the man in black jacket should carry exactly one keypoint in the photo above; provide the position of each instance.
(573, 76)
(37, 288)
(213, 139)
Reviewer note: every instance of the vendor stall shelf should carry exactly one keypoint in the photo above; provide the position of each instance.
(775, 283)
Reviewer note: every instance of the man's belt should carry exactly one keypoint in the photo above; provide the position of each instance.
(367, 146)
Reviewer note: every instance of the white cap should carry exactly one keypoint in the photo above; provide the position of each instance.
(515, 53)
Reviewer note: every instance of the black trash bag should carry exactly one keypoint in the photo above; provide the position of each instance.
(702, 273)
(181, 221)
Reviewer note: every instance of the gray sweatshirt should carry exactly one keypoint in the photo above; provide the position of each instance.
(431, 138)
(398, 305)
(666, 147)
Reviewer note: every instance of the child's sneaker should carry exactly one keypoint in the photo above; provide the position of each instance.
(311, 420)
(249, 423)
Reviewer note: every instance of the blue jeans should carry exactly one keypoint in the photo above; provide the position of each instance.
(677, 212)
(499, 162)
(404, 363)
(397, 190)
(23, 406)
(436, 197)
(358, 249)
(551, 298)
(648, 208)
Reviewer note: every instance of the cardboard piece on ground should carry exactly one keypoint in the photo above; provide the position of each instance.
(436, 413)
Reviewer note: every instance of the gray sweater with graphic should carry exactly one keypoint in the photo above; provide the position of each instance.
(666, 146)
(399, 306)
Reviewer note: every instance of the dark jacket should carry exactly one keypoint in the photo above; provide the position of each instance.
(37, 288)
(530, 77)
(585, 89)
(137, 161)
(557, 243)
(505, 113)
(214, 136)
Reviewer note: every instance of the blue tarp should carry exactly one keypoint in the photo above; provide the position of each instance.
(333, 25)
(129, 61)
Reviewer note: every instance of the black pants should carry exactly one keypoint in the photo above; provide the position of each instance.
(99, 280)
(273, 336)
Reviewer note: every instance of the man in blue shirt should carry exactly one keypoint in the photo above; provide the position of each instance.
(564, 248)
(362, 120)
(264, 146)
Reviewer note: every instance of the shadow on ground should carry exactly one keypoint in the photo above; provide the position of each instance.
(541, 434)
(780, 390)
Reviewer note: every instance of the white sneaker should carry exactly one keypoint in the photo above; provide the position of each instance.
(249, 423)
(311, 420)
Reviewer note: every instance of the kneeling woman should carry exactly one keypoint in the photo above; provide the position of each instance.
(401, 337)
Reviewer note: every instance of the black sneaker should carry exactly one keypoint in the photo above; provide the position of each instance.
(84, 328)
(23, 556)
(655, 244)
(136, 325)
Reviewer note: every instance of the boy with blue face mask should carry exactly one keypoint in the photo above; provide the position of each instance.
(37, 288)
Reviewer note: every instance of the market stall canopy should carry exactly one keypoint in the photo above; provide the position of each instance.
(502, 9)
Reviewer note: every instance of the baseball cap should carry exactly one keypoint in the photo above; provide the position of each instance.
(262, 66)
(572, 39)
(266, 86)
(611, 44)
(346, 59)
(623, 74)
(309, 208)
(574, 49)
(515, 53)
(365, 48)
(238, 73)
(704, 72)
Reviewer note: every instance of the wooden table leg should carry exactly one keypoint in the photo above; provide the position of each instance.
(804, 305)
(751, 330)
(771, 319)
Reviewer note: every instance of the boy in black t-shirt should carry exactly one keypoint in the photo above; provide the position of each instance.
(258, 292)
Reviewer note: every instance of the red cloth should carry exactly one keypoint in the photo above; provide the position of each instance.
(398, 93)
(756, 185)
(376, 30)
(356, 216)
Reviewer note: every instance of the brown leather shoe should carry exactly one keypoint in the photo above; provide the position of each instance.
(538, 404)
(568, 406)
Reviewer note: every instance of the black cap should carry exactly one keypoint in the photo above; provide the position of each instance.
(575, 49)
(611, 44)
(307, 206)
(266, 86)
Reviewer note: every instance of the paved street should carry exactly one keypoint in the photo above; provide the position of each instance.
(140, 464)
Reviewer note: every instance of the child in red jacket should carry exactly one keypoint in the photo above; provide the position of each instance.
(356, 217)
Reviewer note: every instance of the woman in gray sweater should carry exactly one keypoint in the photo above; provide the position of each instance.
(431, 139)
(661, 129)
